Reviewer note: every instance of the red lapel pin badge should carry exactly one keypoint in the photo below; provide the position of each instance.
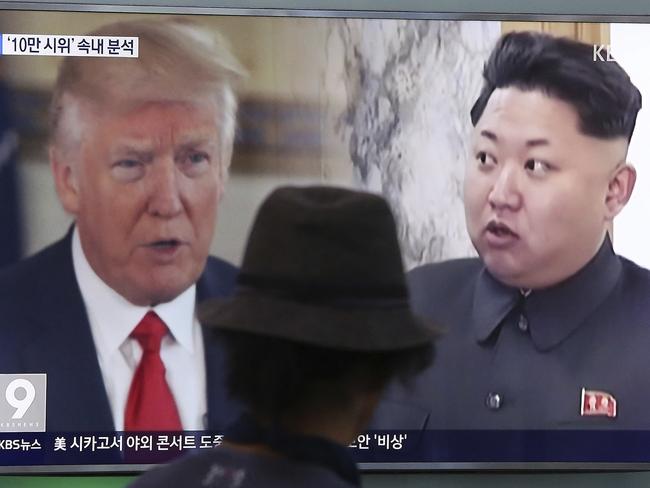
(599, 403)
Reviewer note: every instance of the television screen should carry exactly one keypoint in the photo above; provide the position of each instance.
(493, 166)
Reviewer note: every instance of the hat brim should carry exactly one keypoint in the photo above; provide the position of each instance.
(357, 328)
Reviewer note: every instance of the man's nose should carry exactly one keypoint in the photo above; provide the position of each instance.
(165, 196)
(506, 191)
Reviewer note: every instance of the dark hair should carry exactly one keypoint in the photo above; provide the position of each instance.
(275, 377)
(605, 99)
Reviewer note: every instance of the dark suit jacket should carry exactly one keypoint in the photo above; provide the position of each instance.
(44, 329)
(536, 353)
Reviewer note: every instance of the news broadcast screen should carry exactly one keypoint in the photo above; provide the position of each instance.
(510, 152)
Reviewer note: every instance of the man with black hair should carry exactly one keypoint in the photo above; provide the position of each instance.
(319, 324)
(548, 328)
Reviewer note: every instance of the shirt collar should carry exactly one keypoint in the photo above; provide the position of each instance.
(553, 313)
(113, 318)
(492, 302)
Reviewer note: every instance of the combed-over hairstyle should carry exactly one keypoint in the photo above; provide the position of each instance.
(178, 61)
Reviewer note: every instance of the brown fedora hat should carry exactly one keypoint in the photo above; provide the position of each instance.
(323, 267)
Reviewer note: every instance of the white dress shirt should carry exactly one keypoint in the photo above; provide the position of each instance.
(112, 319)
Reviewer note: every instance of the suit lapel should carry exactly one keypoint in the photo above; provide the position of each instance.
(59, 342)
(216, 281)
(63, 346)
(221, 409)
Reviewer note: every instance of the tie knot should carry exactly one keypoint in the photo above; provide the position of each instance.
(150, 332)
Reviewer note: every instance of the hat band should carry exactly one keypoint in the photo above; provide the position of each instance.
(377, 295)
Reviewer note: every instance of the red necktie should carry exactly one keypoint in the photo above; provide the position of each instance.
(150, 405)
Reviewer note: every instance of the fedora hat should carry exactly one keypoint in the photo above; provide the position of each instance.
(323, 266)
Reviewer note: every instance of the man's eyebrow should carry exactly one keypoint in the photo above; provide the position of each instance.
(132, 145)
(537, 142)
(198, 142)
(490, 135)
(529, 143)
(197, 139)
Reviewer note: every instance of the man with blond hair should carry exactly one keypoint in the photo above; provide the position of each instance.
(140, 149)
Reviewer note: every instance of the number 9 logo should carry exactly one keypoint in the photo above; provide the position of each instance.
(20, 404)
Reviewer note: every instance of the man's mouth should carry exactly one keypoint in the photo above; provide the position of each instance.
(165, 244)
(500, 230)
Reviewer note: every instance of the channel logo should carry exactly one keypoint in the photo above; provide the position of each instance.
(603, 52)
(22, 402)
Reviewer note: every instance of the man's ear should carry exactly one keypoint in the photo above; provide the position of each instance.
(619, 189)
(65, 180)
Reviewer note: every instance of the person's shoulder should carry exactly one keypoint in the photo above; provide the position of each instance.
(189, 471)
(634, 278)
(215, 265)
(220, 466)
(449, 273)
(21, 276)
(439, 289)
(633, 270)
(218, 278)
